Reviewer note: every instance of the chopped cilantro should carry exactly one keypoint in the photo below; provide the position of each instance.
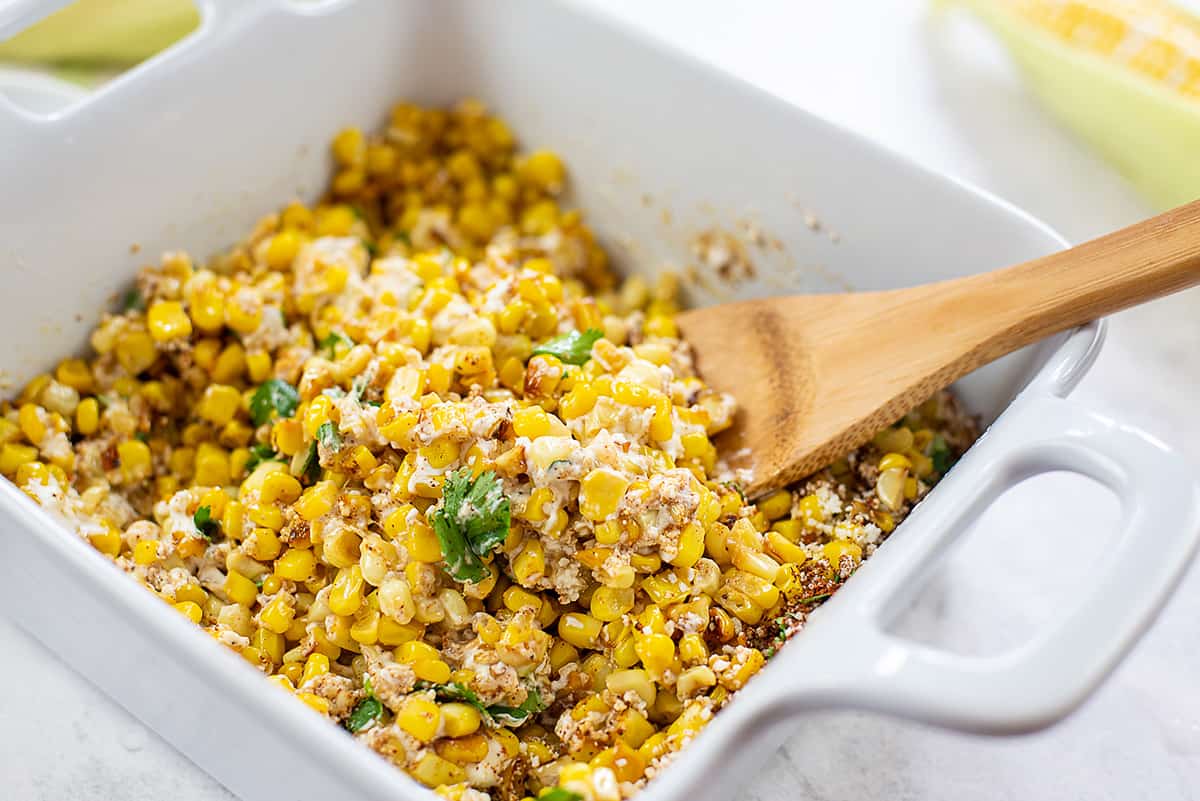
(207, 527)
(471, 521)
(141, 436)
(372, 248)
(940, 455)
(366, 711)
(334, 339)
(132, 301)
(571, 347)
(812, 599)
(327, 435)
(736, 487)
(310, 468)
(404, 237)
(273, 395)
(494, 714)
(259, 453)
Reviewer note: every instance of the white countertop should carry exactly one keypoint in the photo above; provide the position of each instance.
(942, 93)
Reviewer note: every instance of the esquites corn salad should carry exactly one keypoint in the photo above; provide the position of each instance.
(415, 455)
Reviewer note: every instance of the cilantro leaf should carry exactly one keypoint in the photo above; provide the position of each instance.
(310, 468)
(559, 794)
(133, 301)
(366, 711)
(334, 339)
(205, 525)
(571, 347)
(494, 714)
(273, 395)
(940, 455)
(516, 715)
(471, 521)
(259, 453)
(327, 435)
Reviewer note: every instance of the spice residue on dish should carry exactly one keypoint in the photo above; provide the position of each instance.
(416, 454)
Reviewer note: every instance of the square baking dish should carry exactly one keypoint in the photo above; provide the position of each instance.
(189, 148)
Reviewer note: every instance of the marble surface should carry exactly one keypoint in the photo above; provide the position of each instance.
(939, 91)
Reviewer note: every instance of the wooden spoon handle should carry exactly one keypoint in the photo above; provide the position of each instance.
(1022, 304)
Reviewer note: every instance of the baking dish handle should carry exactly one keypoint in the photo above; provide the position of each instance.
(1039, 683)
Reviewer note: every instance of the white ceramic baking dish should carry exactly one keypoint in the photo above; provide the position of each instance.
(188, 149)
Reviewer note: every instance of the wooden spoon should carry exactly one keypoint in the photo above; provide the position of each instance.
(816, 376)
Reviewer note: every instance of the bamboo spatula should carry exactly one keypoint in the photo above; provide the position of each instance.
(817, 375)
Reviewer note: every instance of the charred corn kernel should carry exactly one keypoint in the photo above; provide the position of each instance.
(219, 403)
(637, 681)
(317, 501)
(135, 459)
(580, 630)
(600, 493)
(296, 564)
(834, 551)
(167, 320)
(419, 717)
(315, 665)
(145, 552)
(434, 771)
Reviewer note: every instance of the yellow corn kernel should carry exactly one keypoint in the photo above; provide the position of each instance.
(75, 373)
(145, 552)
(434, 771)
(87, 416)
(834, 551)
(277, 615)
(440, 453)
(419, 717)
(532, 422)
(346, 592)
(317, 500)
(600, 493)
(463, 749)
(622, 681)
(212, 465)
(662, 427)
(243, 313)
(30, 420)
(434, 670)
(544, 170)
(219, 403)
(610, 604)
(785, 549)
(423, 544)
(580, 630)
(207, 309)
(530, 565)
(279, 488)
(692, 649)
(296, 564)
(190, 610)
(282, 249)
(167, 320)
(660, 325)
(107, 542)
(645, 563)
(691, 546)
(134, 456)
(776, 505)
(754, 562)
(240, 589)
(136, 351)
(316, 665)
(258, 365)
(894, 460)
(315, 702)
(230, 364)
(516, 599)
(656, 652)
(535, 509)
